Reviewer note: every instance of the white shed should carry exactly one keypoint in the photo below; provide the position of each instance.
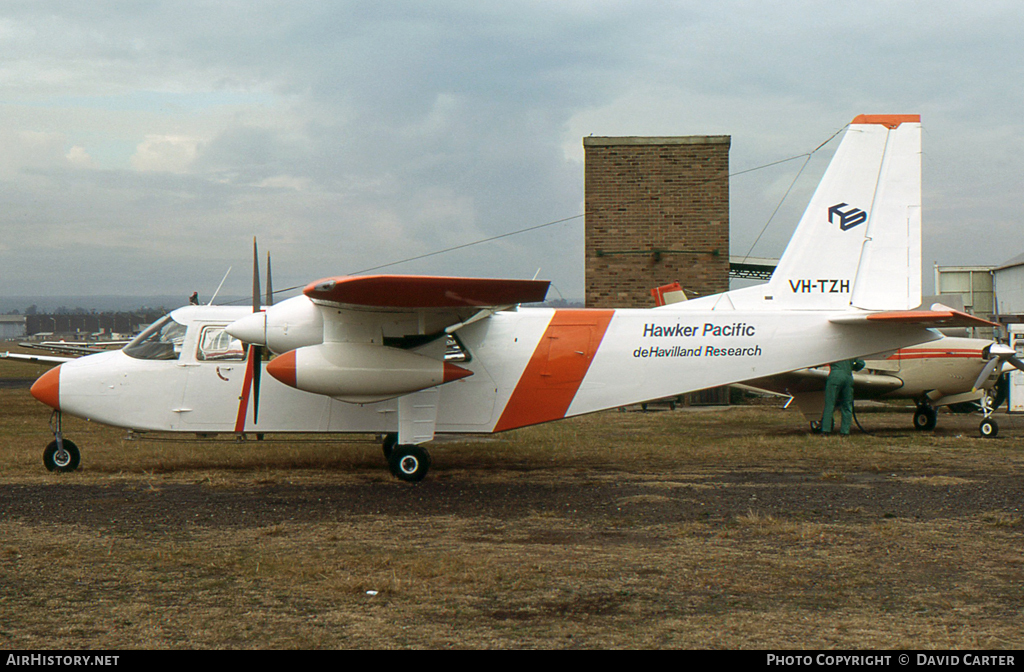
(12, 326)
(1008, 283)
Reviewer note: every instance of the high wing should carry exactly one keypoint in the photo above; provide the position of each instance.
(383, 336)
(869, 383)
(409, 310)
(421, 292)
(377, 337)
(400, 310)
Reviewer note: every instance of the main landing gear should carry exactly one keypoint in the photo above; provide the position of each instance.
(407, 462)
(61, 454)
(926, 417)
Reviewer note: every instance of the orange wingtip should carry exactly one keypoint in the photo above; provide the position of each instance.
(887, 120)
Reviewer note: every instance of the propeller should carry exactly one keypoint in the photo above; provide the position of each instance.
(998, 353)
(256, 351)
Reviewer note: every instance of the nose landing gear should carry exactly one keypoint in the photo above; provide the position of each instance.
(61, 455)
(988, 427)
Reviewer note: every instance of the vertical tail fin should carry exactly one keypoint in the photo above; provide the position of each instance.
(859, 241)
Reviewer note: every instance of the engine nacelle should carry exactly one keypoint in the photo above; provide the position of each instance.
(289, 325)
(361, 372)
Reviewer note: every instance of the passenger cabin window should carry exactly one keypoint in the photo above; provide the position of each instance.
(162, 340)
(217, 345)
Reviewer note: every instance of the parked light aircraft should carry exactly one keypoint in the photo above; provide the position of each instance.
(949, 371)
(945, 372)
(367, 354)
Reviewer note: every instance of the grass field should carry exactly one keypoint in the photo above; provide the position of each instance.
(714, 529)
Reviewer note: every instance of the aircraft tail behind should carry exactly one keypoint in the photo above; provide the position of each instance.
(858, 243)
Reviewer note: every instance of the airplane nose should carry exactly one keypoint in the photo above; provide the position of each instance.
(250, 329)
(47, 388)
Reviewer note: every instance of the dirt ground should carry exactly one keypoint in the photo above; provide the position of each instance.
(726, 528)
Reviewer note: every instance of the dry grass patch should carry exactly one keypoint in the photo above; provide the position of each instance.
(731, 529)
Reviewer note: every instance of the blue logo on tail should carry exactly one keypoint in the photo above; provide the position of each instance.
(848, 219)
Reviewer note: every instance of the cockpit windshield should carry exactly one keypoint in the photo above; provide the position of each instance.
(162, 340)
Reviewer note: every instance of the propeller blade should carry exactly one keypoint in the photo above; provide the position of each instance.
(1007, 354)
(1019, 365)
(985, 373)
(255, 351)
(270, 285)
(255, 278)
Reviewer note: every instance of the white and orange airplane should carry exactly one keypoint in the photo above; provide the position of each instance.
(407, 357)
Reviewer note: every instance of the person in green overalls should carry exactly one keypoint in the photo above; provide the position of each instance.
(839, 385)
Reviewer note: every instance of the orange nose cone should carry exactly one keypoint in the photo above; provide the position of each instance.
(47, 388)
(453, 372)
(283, 368)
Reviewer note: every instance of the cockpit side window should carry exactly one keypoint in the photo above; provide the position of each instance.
(162, 340)
(217, 345)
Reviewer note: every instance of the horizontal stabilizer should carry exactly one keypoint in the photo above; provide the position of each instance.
(938, 317)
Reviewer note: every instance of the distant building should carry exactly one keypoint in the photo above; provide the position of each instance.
(88, 325)
(973, 285)
(12, 327)
(1008, 286)
(993, 292)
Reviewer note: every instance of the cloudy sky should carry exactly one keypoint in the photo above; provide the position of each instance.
(143, 145)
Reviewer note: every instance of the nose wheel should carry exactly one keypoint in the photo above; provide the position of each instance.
(61, 455)
(988, 427)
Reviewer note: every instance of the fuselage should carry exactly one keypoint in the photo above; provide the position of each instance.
(944, 367)
(525, 366)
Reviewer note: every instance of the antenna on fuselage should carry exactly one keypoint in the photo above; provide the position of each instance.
(219, 286)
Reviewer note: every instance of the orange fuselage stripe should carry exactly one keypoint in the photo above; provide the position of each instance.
(557, 368)
(937, 354)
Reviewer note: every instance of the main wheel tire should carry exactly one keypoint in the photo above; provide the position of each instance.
(988, 428)
(409, 463)
(64, 460)
(925, 419)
